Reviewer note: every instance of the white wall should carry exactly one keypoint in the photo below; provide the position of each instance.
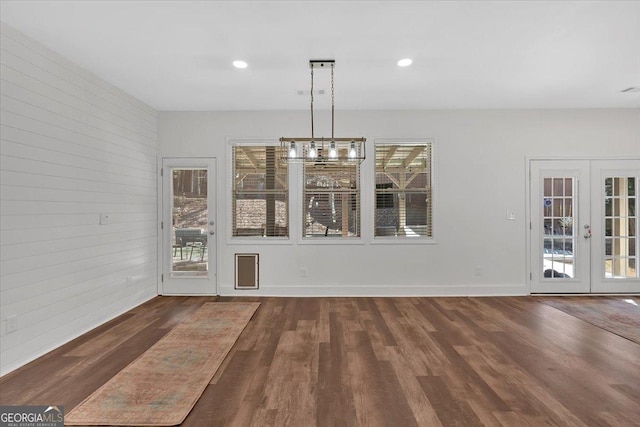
(481, 168)
(73, 147)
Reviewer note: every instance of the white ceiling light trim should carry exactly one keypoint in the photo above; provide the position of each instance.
(240, 64)
(405, 62)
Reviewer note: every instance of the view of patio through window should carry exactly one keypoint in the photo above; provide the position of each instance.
(331, 200)
(403, 190)
(559, 237)
(260, 195)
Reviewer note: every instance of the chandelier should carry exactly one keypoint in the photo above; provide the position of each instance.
(323, 149)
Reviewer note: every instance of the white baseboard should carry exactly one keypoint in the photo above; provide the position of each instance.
(377, 291)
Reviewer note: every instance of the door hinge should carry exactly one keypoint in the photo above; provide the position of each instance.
(530, 226)
(162, 277)
(530, 276)
(161, 225)
(161, 171)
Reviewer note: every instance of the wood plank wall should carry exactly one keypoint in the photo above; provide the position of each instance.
(73, 147)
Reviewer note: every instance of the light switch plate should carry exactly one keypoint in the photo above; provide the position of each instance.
(104, 219)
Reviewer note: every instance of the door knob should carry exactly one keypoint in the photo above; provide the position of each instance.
(587, 231)
(212, 232)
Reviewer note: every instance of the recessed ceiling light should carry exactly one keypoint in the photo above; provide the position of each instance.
(405, 62)
(239, 64)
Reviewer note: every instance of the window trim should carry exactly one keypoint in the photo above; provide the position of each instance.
(230, 186)
(398, 240)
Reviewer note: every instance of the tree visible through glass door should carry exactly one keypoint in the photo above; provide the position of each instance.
(189, 222)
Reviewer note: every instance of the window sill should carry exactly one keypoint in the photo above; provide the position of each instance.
(403, 241)
(259, 241)
(321, 240)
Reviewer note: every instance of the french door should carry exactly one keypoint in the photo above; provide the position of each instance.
(188, 227)
(584, 226)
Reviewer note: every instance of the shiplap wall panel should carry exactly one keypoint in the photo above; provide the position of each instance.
(19, 263)
(62, 183)
(15, 237)
(107, 134)
(74, 80)
(50, 99)
(56, 279)
(73, 147)
(20, 75)
(60, 134)
(18, 136)
(34, 221)
(90, 271)
(48, 194)
(19, 164)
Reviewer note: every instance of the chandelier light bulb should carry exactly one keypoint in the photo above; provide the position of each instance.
(333, 153)
(352, 150)
(292, 150)
(313, 152)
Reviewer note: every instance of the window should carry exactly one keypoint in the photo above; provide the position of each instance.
(260, 197)
(331, 200)
(403, 190)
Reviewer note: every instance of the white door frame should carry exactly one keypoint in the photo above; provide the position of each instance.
(165, 228)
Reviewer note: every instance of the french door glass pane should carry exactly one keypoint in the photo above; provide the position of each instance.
(620, 222)
(189, 222)
(559, 236)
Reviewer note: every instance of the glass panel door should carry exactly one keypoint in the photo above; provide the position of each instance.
(615, 200)
(188, 227)
(559, 212)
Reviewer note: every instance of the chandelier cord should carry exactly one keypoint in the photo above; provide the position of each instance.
(312, 134)
(332, 102)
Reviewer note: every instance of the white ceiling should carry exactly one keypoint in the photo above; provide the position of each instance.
(176, 55)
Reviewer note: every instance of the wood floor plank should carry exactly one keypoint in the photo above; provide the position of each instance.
(363, 382)
(495, 361)
(451, 411)
(423, 411)
(219, 405)
(335, 405)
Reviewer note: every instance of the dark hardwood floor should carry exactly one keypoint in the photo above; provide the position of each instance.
(507, 361)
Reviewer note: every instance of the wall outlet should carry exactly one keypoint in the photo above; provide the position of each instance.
(511, 216)
(12, 323)
(303, 272)
(478, 270)
(104, 219)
